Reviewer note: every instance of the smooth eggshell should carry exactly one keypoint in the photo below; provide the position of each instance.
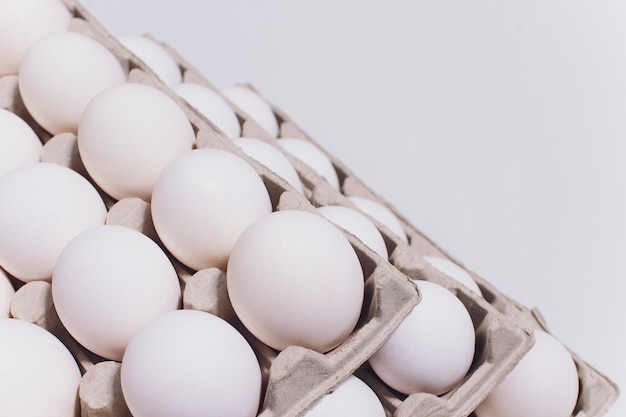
(432, 349)
(357, 224)
(6, 294)
(60, 73)
(42, 207)
(313, 157)
(254, 106)
(203, 201)
(272, 158)
(193, 364)
(453, 271)
(155, 57)
(22, 22)
(108, 282)
(352, 398)
(212, 106)
(543, 384)
(38, 375)
(382, 214)
(294, 279)
(128, 135)
(19, 144)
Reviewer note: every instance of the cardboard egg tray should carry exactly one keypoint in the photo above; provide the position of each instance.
(597, 392)
(296, 378)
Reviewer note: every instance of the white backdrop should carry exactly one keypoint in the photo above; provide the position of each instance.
(497, 128)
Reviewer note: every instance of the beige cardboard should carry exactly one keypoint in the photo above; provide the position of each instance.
(100, 392)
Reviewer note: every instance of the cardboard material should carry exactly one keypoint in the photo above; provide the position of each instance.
(100, 392)
(296, 378)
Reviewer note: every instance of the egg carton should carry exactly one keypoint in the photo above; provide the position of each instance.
(597, 392)
(210, 136)
(294, 377)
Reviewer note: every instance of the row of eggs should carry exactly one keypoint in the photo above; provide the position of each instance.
(159, 170)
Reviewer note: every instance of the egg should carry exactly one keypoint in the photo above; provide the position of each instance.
(108, 282)
(382, 214)
(22, 22)
(193, 364)
(60, 73)
(313, 157)
(433, 347)
(19, 144)
(272, 158)
(155, 57)
(212, 106)
(294, 279)
(6, 294)
(357, 224)
(352, 398)
(128, 134)
(453, 271)
(543, 384)
(203, 201)
(254, 106)
(38, 375)
(42, 207)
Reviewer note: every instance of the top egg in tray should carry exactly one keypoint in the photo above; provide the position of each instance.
(195, 253)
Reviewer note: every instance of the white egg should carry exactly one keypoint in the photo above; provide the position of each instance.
(432, 349)
(382, 214)
(254, 106)
(212, 106)
(38, 375)
(19, 144)
(453, 271)
(313, 157)
(22, 22)
(357, 224)
(155, 57)
(128, 134)
(109, 281)
(272, 158)
(6, 294)
(60, 73)
(193, 364)
(203, 201)
(42, 207)
(352, 398)
(543, 384)
(294, 279)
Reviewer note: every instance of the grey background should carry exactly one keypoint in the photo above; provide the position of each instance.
(497, 128)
